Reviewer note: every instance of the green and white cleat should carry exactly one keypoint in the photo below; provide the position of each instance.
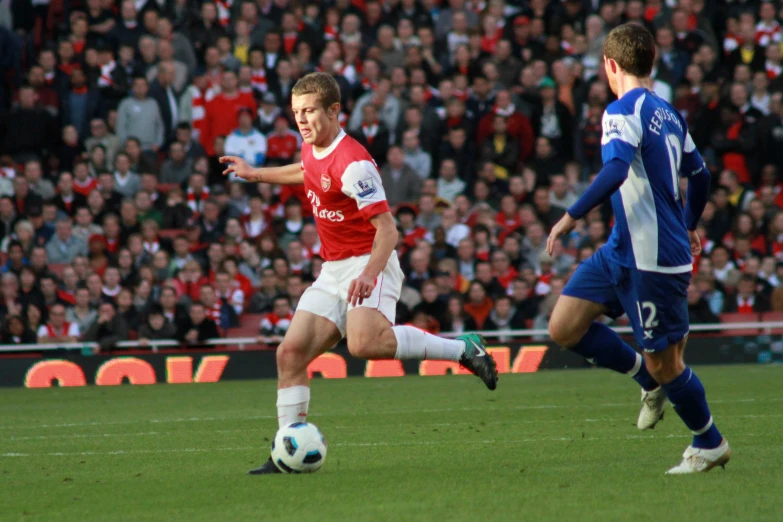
(477, 360)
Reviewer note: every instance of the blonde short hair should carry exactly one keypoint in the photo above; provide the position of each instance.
(322, 84)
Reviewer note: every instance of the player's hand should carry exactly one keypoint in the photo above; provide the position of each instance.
(564, 226)
(695, 242)
(360, 289)
(238, 166)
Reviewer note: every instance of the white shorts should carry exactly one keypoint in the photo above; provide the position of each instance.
(328, 295)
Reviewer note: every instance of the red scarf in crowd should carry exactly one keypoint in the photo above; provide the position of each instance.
(368, 85)
(106, 70)
(370, 132)
(258, 80)
(331, 33)
(50, 331)
(195, 203)
(745, 306)
(224, 11)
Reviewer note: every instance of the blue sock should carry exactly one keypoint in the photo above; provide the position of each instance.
(686, 394)
(602, 346)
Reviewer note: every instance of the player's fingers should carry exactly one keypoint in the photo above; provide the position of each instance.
(363, 292)
(549, 245)
(228, 159)
(228, 171)
(352, 293)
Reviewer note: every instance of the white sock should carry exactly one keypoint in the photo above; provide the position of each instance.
(292, 404)
(413, 343)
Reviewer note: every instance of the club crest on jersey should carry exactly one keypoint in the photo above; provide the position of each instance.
(326, 182)
(364, 188)
(614, 126)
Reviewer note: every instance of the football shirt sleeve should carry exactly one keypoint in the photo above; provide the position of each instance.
(692, 162)
(694, 168)
(362, 182)
(622, 135)
(614, 174)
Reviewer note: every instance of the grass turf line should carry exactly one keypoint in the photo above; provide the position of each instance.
(549, 446)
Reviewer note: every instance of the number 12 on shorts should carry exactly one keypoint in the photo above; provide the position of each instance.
(647, 307)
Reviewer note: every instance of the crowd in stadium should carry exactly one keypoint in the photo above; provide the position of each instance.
(485, 120)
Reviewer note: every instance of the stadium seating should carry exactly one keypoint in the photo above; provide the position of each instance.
(769, 317)
(740, 318)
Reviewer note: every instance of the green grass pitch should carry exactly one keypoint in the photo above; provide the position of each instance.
(558, 445)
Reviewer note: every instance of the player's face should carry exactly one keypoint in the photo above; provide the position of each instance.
(315, 121)
(610, 76)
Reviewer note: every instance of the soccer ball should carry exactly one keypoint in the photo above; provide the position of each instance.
(299, 448)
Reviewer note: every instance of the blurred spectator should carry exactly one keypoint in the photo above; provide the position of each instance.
(222, 110)
(29, 130)
(400, 181)
(138, 116)
(64, 246)
(108, 329)
(197, 328)
(57, 329)
(162, 90)
(17, 332)
(81, 313)
(246, 142)
(373, 134)
(33, 172)
(126, 182)
(746, 299)
(276, 322)
(156, 327)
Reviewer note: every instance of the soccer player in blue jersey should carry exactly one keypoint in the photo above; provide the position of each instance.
(645, 268)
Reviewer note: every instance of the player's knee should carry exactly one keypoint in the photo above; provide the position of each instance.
(290, 357)
(362, 345)
(562, 333)
(666, 366)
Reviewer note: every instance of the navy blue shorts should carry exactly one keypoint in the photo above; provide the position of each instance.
(656, 304)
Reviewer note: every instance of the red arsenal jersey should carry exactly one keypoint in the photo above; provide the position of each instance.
(344, 188)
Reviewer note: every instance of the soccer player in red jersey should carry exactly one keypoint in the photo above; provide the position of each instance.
(361, 280)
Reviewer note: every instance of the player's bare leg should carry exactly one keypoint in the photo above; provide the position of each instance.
(686, 393)
(573, 325)
(371, 336)
(572, 318)
(309, 336)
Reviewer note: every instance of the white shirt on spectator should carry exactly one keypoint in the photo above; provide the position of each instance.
(457, 233)
(251, 147)
(236, 299)
(568, 200)
(761, 103)
(450, 189)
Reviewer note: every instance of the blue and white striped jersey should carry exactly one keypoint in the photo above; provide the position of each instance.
(649, 134)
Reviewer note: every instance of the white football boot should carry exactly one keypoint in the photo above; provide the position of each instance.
(700, 460)
(653, 403)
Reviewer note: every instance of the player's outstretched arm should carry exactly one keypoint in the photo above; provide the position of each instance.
(285, 175)
(614, 173)
(382, 247)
